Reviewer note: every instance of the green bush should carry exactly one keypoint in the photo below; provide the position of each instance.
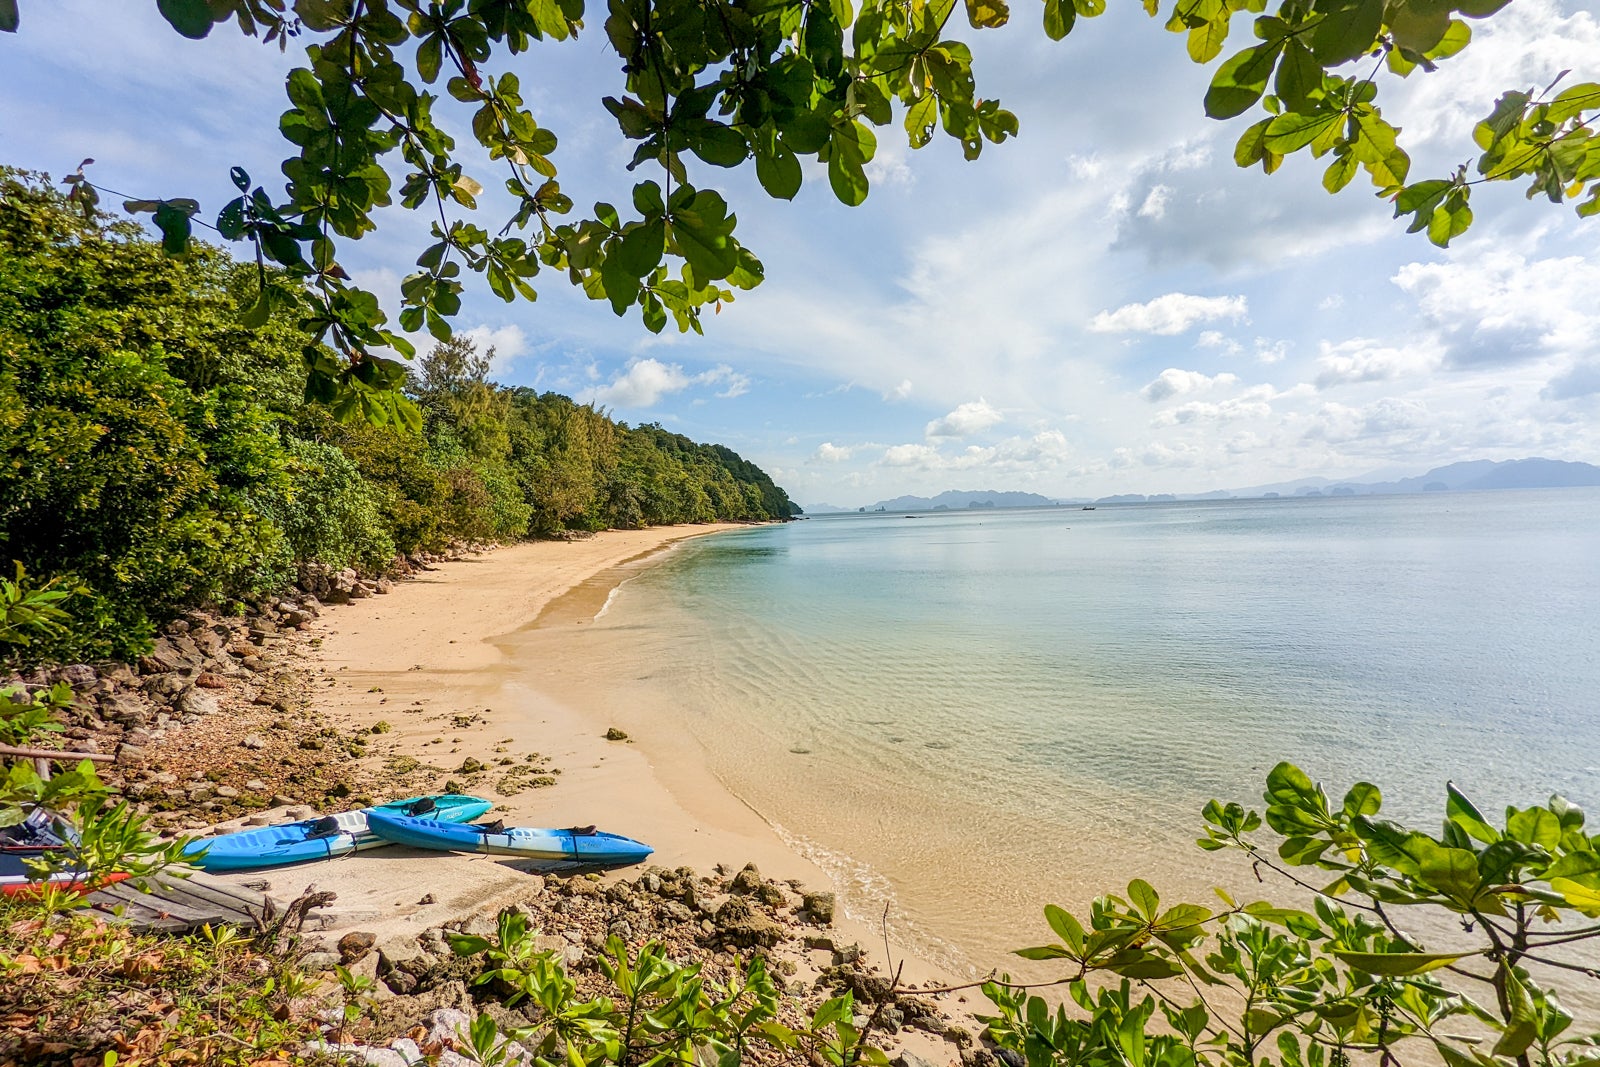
(116, 473)
(328, 513)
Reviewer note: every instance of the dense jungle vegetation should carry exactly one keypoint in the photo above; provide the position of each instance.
(156, 454)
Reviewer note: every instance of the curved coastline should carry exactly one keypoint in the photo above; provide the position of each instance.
(457, 644)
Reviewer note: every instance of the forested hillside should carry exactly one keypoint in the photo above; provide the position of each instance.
(155, 453)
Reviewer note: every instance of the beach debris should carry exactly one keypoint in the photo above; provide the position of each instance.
(614, 734)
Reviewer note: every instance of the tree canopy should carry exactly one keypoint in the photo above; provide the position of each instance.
(768, 83)
(155, 454)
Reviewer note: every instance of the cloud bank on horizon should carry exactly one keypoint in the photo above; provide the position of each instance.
(1106, 304)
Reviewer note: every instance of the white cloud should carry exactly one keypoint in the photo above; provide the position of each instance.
(1027, 457)
(645, 381)
(1497, 307)
(1170, 314)
(1252, 404)
(972, 417)
(909, 456)
(1331, 302)
(828, 452)
(899, 392)
(1360, 360)
(1174, 382)
(1217, 339)
(1270, 351)
(1155, 202)
(505, 343)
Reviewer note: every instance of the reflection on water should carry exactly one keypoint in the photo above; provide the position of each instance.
(1022, 707)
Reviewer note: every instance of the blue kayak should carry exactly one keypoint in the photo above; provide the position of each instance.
(577, 845)
(325, 837)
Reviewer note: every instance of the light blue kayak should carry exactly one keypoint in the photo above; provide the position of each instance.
(325, 837)
(577, 845)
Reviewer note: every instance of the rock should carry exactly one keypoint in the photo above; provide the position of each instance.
(739, 922)
(383, 586)
(360, 591)
(256, 785)
(167, 685)
(672, 911)
(253, 741)
(78, 675)
(254, 663)
(771, 895)
(1010, 1057)
(364, 1055)
(820, 907)
(892, 1019)
(317, 962)
(355, 945)
(908, 1059)
(747, 880)
(614, 734)
(124, 709)
(446, 1025)
(227, 792)
(198, 702)
(847, 955)
(129, 754)
(399, 982)
(819, 944)
(208, 680)
(427, 898)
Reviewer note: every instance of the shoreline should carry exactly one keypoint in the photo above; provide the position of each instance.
(437, 661)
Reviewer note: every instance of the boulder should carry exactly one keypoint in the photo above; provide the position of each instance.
(78, 675)
(820, 907)
(747, 880)
(740, 923)
(198, 702)
(355, 945)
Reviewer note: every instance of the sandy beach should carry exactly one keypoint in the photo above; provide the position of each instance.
(429, 665)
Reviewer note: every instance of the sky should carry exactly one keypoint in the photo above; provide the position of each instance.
(1105, 304)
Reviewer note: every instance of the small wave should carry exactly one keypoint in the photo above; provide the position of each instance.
(867, 897)
(611, 596)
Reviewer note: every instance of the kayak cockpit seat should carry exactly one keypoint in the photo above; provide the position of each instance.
(496, 827)
(327, 826)
(582, 831)
(420, 806)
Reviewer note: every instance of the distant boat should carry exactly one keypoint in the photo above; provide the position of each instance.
(1086, 507)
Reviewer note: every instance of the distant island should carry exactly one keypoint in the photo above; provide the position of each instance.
(1467, 476)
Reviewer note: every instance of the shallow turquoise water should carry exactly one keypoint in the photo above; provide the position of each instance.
(1033, 705)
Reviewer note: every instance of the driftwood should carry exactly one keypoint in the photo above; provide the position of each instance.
(55, 754)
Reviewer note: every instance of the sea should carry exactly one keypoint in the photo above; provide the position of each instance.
(966, 715)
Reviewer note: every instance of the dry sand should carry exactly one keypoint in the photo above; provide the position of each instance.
(434, 649)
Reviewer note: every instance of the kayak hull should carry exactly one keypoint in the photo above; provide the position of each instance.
(524, 842)
(301, 842)
(17, 880)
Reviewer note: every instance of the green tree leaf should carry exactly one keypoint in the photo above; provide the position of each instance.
(1399, 964)
(1241, 80)
(192, 18)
